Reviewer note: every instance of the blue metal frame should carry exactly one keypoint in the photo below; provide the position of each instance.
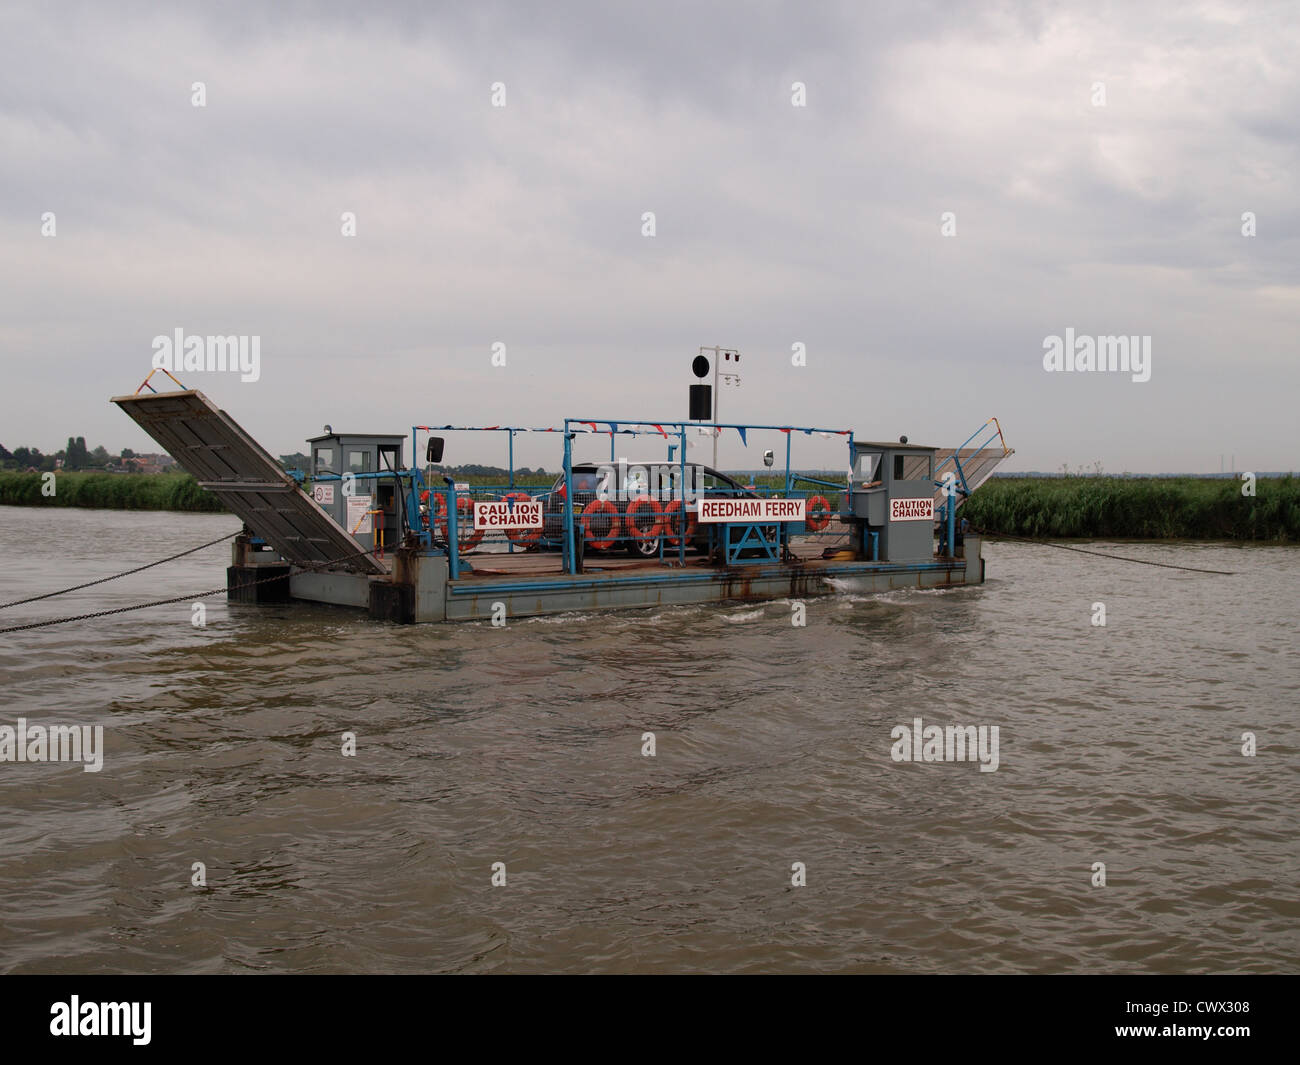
(414, 518)
(771, 549)
(569, 559)
(956, 461)
(948, 509)
(753, 536)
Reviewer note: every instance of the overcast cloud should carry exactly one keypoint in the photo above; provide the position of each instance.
(775, 224)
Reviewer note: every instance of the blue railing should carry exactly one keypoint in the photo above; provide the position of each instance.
(948, 509)
(752, 535)
(435, 513)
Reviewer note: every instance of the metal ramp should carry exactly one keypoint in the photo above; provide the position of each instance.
(207, 443)
(972, 464)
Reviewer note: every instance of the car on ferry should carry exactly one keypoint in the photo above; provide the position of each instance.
(634, 507)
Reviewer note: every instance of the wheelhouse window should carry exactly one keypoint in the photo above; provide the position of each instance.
(867, 467)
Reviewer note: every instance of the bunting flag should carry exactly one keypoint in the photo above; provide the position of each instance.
(661, 431)
(593, 426)
(613, 428)
(743, 440)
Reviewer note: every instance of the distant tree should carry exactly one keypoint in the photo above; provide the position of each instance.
(5, 456)
(75, 455)
(127, 453)
(26, 456)
(100, 456)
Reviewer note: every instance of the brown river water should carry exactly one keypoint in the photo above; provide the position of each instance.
(523, 745)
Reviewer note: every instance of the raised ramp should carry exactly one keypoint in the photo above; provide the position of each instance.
(225, 460)
(977, 456)
(976, 463)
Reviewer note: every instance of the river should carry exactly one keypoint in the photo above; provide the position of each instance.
(223, 745)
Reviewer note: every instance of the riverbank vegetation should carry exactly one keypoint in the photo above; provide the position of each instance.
(1177, 508)
(108, 491)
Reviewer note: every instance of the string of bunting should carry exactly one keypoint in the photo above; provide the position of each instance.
(631, 429)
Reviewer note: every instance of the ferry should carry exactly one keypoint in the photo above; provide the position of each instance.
(406, 543)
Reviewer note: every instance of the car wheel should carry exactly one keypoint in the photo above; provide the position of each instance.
(644, 548)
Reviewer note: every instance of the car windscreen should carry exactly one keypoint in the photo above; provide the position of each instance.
(583, 481)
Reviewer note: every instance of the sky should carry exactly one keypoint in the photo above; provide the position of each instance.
(920, 195)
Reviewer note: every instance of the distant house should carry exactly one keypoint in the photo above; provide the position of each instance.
(147, 464)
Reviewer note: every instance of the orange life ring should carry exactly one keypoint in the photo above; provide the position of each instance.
(600, 506)
(523, 537)
(820, 522)
(657, 514)
(464, 510)
(465, 520)
(672, 526)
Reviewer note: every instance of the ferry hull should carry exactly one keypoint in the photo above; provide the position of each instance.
(421, 591)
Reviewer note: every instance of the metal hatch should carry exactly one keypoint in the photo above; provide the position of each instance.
(207, 443)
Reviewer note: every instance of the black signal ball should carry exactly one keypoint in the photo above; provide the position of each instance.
(700, 367)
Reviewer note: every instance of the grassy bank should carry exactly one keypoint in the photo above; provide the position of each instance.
(1185, 508)
(110, 491)
(1188, 508)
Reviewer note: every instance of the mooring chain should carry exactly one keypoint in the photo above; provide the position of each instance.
(115, 576)
(176, 599)
(1101, 554)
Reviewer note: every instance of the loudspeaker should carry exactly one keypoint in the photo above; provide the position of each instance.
(701, 403)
